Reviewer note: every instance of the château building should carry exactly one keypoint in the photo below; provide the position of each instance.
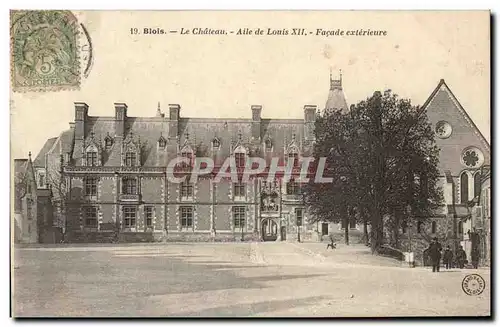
(108, 176)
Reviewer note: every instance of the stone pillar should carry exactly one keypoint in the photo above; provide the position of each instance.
(117, 206)
(256, 199)
(165, 206)
(213, 196)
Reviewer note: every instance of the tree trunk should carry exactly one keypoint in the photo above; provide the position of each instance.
(396, 230)
(346, 230)
(365, 231)
(377, 233)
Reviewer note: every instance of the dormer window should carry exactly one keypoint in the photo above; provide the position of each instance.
(131, 151)
(269, 145)
(215, 144)
(91, 158)
(130, 159)
(239, 156)
(162, 143)
(294, 158)
(292, 187)
(92, 153)
(240, 159)
(189, 156)
(188, 153)
(108, 142)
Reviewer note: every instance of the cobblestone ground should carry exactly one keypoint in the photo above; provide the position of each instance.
(233, 279)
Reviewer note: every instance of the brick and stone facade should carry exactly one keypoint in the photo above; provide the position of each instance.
(111, 175)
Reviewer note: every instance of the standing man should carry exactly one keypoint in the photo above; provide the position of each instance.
(474, 257)
(435, 254)
(474, 254)
(448, 257)
(461, 257)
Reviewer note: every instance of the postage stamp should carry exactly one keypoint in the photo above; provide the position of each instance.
(44, 51)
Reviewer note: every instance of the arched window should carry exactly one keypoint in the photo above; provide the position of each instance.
(108, 142)
(464, 188)
(433, 227)
(477, 184)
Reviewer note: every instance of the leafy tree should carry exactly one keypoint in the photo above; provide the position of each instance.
(58, 187)
(20, 187)
(383, 160)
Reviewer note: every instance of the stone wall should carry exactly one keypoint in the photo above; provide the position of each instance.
(91, 237)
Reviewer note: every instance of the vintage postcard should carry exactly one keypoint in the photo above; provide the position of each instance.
(250, 163)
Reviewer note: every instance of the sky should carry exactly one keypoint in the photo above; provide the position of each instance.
(223, 75)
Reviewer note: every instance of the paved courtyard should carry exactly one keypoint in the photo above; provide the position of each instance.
(233, 279)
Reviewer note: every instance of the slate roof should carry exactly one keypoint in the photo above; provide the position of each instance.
(460, 209)
(336, 98)
(197, 133)
(20, 165)
(442, 105)
(40, 158)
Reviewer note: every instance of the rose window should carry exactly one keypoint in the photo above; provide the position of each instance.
(443, 129)
(472, 157)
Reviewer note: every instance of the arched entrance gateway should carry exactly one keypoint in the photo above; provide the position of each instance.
(269, 230)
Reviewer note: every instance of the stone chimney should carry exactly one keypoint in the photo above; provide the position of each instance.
(309, 120)
(256, 119)
(81, 115)
(120, 119)
(174, 116)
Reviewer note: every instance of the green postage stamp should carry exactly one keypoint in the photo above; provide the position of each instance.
(44, 50)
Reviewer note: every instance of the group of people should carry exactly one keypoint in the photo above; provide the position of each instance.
(450, 260)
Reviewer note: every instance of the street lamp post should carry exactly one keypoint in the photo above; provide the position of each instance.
(296, 217)
(410, 227)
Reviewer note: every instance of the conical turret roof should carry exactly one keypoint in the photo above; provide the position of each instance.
(336, 98)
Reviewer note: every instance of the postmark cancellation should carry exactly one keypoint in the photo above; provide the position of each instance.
(44, 50)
